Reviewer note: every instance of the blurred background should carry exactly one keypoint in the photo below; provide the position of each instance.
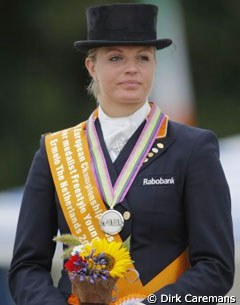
(43, 83)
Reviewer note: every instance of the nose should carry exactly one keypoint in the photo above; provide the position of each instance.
(131, 67)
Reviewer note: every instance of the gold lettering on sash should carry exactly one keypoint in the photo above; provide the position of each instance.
(75, 186)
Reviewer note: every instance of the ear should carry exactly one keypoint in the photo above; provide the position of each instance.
(90, 65)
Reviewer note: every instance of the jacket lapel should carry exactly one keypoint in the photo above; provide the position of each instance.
(159, 147)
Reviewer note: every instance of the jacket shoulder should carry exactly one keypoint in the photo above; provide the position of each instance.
(187, 132)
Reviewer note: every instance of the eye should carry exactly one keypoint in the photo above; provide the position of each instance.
(115, 58)
(143, 58)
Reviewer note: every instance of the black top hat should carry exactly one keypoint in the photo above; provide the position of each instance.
(121, 24)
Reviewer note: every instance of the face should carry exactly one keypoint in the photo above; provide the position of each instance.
(124, 74)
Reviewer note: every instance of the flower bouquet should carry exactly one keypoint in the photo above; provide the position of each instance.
(94, 268)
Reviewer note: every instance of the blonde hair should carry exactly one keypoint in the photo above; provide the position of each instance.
(93, 87)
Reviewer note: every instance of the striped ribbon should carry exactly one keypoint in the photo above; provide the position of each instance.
(115, 194)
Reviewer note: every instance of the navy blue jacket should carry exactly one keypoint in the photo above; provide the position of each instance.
(180, 198)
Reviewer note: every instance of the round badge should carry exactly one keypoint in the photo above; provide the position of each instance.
(111, 222)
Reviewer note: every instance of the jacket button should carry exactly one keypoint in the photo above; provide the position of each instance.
(126, 215)
(160, 145)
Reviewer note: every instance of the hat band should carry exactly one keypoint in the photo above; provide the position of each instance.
(121, 35)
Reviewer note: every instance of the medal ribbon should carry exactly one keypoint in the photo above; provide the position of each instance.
(113, 195)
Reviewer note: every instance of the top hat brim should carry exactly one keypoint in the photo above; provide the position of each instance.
(85, 45)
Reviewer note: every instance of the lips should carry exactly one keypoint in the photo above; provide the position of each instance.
(130, 81)
(131, 84)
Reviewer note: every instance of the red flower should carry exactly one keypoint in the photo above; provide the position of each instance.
(75, 263)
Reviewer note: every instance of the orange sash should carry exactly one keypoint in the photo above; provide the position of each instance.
(82, 205)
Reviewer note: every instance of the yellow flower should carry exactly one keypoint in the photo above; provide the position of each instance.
(118, 255)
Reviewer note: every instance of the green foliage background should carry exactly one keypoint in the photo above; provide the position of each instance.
(43, 78)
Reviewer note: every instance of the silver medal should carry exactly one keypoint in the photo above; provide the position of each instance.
(111, 222)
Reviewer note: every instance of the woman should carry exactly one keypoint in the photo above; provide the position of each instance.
(176, 202)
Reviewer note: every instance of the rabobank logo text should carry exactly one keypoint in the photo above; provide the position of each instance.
(159, 181)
